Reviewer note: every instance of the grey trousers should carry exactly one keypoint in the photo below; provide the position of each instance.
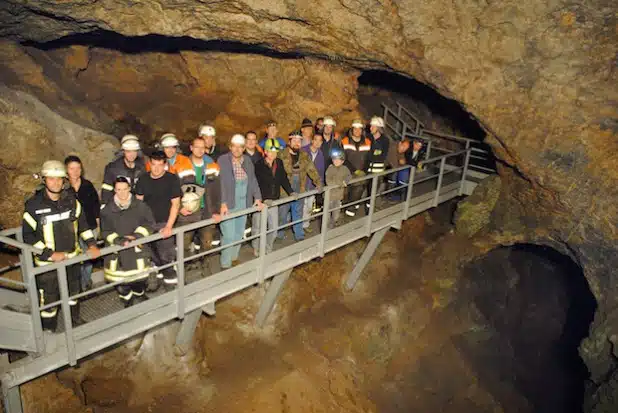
(273, 221)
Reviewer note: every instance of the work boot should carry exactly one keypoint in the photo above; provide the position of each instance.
(128, 303)
(50, 324)
(75, 316)
(152, 283)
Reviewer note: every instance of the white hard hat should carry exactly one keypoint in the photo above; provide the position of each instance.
(238, 139)
(169, 140)
(207, 130)
(191, 201)
(129, 143)
(53, 169)
(377, 121)
(357, 124)
(329, 121)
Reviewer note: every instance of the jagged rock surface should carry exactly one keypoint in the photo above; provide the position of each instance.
(540, 77)
(31, 133)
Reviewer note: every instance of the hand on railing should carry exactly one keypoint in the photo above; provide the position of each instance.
(216, 218)
(259, 204)
(166, 231)
(58, 256)
(224, 210)
(293, 195)
(94, 252)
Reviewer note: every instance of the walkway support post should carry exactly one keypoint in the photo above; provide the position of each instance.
(325, 222)
(186, 332)
(362, 262)
(273, 291)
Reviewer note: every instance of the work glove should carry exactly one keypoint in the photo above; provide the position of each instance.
(359, 173)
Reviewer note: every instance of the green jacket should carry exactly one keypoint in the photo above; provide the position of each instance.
(304, 169)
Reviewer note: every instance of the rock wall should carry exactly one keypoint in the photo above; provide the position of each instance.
(540, 76)
(30, 134)
(158, 91)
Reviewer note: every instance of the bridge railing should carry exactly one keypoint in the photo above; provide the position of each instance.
(449, 169)
(402, 123)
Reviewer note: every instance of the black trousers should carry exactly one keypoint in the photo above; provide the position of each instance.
(128, 291)
(49, 292)
(164, 252)
(354, 193)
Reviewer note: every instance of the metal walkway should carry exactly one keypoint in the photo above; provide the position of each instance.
(449, 171)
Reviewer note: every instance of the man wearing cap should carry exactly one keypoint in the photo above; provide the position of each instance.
(306, 130)
(52, 222)
(299, 167)
(239, 190)
(209, 134)
(271, 178)
(271, 133)
(130, 166)
(331, 139)
(356, 148)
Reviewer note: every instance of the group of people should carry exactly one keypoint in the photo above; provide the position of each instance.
(140, 197)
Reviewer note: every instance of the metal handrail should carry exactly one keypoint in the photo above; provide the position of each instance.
(183, 290)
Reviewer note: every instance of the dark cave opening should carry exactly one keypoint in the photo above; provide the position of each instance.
(451, 113)
(534, 307)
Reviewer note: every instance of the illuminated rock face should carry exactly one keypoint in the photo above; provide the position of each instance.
(539, 76)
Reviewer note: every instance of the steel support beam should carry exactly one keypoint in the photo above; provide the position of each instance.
(11, 399)
(362, 262)
(209, 309)
(273, 291)
(186, 331)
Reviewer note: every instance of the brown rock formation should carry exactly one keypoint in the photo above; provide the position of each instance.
(156, 92)
(540, 77)
(31, 133)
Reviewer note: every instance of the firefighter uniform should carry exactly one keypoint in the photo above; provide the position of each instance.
(54, 226)
(135, 220)
(116, 169)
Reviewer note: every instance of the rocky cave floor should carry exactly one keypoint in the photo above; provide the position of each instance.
(403, 340)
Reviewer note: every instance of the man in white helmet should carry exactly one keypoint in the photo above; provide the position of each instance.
(209, 134)
(52, 222)
(330, 140)
(130, 166)
(239, 190)
(378, 154)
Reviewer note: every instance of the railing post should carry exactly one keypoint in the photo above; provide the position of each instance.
(464, 172)
(398, 109)
(180, 274)
(33, 295)
(66, 314)
(263, 234)
(325, 221)
(372, 202)
(440, 175)
(406, 205)
(403, 131)
(427, 154)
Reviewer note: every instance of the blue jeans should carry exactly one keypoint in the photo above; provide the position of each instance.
(234, 229)
(296, 210)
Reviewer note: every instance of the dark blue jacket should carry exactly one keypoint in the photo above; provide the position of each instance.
(320, 165)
